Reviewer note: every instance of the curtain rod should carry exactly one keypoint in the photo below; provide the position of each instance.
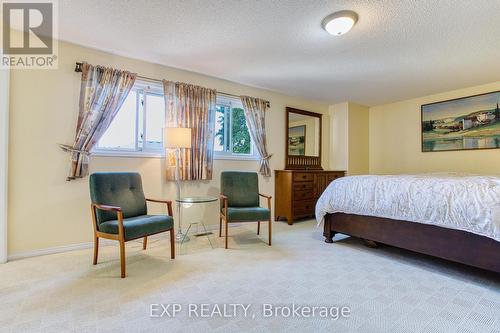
(78, 69)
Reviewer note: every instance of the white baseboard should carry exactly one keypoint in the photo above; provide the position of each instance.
(81, 246)
(58, 249)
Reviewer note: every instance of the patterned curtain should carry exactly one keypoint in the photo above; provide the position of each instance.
(191, 106)
(103, 91)
(255, 111)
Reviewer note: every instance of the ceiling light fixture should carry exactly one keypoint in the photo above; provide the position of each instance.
(339, 23)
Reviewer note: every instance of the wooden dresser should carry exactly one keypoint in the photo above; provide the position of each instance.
(296, 192)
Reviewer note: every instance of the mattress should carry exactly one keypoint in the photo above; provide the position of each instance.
(462, 202)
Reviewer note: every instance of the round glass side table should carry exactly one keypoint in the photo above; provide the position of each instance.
(187, 202)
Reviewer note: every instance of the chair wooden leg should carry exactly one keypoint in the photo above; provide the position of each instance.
(96, 248)
(145, 243)
(258, 228)
(226, 230)
(270, 230)
(172, 244)
(122, 258)
(220, 226)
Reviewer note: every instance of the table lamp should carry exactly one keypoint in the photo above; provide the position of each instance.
(177, 138)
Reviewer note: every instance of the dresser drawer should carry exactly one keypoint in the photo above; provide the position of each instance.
(304, 207)
(303, 194)
(297, 191)
(303, 177)
(301, 186)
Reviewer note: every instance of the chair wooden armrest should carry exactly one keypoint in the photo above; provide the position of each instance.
(108, 208)
(167, 202)
(268, 197)
(119, 216)
(223, 198)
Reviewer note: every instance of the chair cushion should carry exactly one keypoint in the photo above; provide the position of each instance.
(122, 189)
(247, 214)
(139, 226)
(241, 188)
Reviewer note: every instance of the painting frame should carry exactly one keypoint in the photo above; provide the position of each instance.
(422, 121)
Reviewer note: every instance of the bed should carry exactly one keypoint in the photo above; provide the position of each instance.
(450, 216)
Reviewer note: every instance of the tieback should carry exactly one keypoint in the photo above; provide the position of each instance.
(73, 150)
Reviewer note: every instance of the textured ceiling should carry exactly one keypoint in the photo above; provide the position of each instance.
(399, 49)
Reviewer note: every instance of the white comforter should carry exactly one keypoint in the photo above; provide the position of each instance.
(464, 202)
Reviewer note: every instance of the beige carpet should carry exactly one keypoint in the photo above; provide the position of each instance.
(387, 290)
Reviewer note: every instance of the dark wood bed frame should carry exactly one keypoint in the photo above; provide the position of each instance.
(455, 245)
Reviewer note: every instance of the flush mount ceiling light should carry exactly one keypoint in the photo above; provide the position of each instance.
(339, 23)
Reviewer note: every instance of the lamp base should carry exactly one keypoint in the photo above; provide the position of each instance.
(181, 237)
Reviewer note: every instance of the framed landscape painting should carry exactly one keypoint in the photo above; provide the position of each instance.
(465, 123)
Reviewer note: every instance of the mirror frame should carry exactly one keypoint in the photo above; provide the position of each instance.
(297, 162)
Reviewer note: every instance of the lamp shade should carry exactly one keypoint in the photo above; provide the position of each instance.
(176, 137)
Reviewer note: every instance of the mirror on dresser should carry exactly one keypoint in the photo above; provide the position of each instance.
(303, 139)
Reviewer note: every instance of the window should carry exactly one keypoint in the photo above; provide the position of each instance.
(137, 129)
(138, 125)
(232, 138)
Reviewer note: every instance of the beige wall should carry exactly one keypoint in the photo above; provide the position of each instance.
(46, 211)
(358, 136)
(395, 143)
(338, 138)
(349, 125)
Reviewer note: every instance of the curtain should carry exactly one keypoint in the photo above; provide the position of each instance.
(191, 106)
(102, 92)
(255, 111)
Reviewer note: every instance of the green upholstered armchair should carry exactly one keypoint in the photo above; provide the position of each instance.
(240, 201)
(119, 212)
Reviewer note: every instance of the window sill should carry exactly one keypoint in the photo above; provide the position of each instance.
(136, 154)
(236, 157)
(142, 154)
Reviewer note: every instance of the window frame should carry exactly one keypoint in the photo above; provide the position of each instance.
(226, 155)
(145, 145)
(142, 88)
